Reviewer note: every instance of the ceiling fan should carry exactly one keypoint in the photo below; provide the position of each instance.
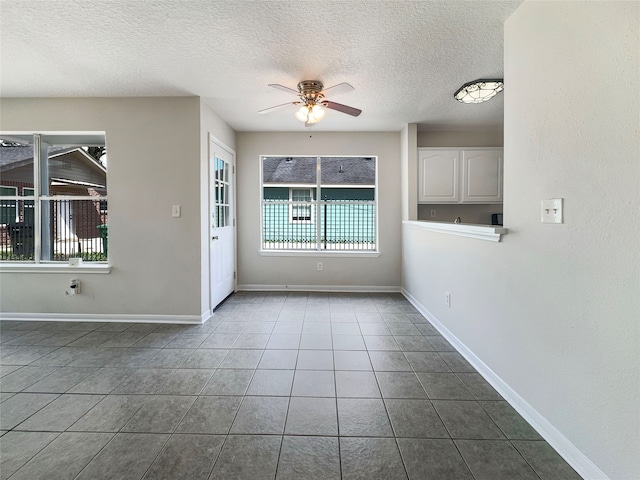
(311, 94)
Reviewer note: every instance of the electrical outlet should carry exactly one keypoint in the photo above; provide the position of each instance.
(320, 266)
(552, 210)
(433, 213)
(447, 299)
(74, 287)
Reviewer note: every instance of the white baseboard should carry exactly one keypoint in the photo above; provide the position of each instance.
(567, 450)
(317, 288)
(206, 316)
(95, 317)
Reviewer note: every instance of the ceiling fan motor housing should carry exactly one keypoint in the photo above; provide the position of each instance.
(310, 87)
(310, 91)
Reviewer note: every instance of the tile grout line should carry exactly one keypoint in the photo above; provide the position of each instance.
(335, 386)
(393, 431)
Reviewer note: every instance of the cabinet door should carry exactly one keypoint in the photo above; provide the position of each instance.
(438, 176)
(482, 176)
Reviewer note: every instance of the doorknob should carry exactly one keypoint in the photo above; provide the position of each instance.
(214, 238)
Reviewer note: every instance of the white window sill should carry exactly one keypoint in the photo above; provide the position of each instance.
(15, 267)
(490, 233)
(315, 253)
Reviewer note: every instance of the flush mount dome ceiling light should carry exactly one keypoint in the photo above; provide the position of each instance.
(479, 91)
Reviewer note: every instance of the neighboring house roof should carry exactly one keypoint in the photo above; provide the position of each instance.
(335, 170)
(71, 166)
(19, 156)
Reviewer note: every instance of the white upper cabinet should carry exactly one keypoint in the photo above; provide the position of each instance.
(482, 176)
(438, 174)
(472, 175)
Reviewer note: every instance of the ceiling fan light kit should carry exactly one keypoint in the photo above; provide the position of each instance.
(479, 90)
(312, 100)
(310, 114)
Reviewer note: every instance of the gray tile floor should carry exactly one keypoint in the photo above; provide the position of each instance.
(276, 385)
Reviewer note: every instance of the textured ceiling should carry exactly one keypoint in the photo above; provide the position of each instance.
(404, 58)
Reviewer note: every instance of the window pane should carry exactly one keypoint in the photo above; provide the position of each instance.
(74, 228)
(73, 166)
(348, 207)
(289, 170)
(72, 170)
(16, 216)
(77, 229)
(16, 164)
(17, 242)
(345, 205)
(348, 171)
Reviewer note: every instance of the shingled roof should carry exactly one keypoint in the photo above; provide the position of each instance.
(20, 155)
(335, 170)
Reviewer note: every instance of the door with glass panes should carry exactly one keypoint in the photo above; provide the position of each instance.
(221, 224)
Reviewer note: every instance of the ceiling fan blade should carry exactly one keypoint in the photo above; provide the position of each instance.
(338, 89)
(267, 110)
(283, 88)
(342, 108)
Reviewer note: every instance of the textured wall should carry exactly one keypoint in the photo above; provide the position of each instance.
(154, 162)
(409, 172)
(553, 310)
(460, 138)
(254, 269)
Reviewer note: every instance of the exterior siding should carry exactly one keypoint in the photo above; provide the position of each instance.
(347, 216)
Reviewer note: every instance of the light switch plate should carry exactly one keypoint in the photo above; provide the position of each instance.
(552, 211)
(175, 211)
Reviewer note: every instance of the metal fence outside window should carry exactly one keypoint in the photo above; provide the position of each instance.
(335, 225)
(71, 228)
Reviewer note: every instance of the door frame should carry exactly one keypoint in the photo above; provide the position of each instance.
(212, 140)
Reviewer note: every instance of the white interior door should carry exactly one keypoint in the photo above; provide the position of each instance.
(222, 250)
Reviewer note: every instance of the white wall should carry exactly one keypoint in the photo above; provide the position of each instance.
(409, 171)
(154, 162)
(257, 270)
(553, 310)
(460, 138)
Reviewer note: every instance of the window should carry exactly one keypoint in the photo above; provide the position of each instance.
(319, 204)
(57, 202)
(300, 208)
(222, 187)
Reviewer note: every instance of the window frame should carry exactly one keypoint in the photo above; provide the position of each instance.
(41, 156)
(317, 204)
